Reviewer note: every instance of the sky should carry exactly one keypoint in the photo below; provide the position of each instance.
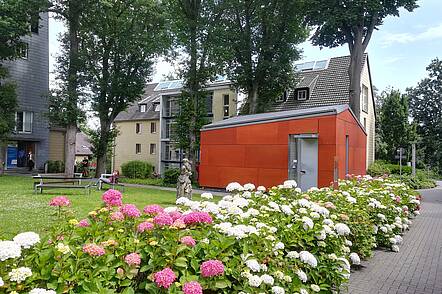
(398, 52)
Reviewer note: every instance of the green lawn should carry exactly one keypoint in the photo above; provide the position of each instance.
(22, 210)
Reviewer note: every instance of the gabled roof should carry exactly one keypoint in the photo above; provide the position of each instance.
(149, 98)
(277, 116)
(82, 145)
(328, 86)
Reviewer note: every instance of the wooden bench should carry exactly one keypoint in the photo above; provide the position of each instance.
(113, 185)
(60, 181)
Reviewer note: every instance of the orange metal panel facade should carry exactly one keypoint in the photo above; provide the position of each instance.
(258, 153)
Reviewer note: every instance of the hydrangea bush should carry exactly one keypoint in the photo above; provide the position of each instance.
(252, 241)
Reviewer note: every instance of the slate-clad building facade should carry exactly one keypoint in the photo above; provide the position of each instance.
(31, 75)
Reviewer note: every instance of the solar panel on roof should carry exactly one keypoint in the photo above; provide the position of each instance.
(321, 64)
(168, 85)
(312, 65)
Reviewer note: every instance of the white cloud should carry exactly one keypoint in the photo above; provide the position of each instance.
(431, 33)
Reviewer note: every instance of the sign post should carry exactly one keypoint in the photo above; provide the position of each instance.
(413, 159)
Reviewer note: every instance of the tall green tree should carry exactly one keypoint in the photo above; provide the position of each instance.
(351, 23)
(426, 111)
(394, 127)
(119, 43)
(260, 41)
(16, 17)
(196, 31)
(66, 100)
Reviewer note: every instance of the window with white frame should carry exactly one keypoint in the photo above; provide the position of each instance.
(226, 105)
(282, 98)
(364, 98)
(22, 50)
(137, 148)
(143, 107)
(138, 128)
(153, 127)
(24, 121)
(153, 148)
(302, 94)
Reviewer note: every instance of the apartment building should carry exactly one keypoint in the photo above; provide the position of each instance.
(146, 128)
(30, 72)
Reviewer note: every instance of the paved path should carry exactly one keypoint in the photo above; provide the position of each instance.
(417, 268)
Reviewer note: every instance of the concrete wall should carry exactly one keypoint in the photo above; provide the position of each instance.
(56, 144)
(370, 116)
(32, 78)
(128, 138)
(218, 103)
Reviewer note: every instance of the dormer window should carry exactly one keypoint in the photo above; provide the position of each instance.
(143, 107)
(283, 97)
(302, 94)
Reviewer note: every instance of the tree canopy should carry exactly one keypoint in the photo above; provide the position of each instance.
(426, 111)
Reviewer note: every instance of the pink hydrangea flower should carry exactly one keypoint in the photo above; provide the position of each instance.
(211, 268)
(112, 197)
(93, 249)
(163, 219)
(145, 226)
(164, 278)
(175, 215)
(153, 209)
(117, 216)
(192, 288)
(83, 223)
(188, 240)
(60, 201)
(130, 210)
(133, 259)
(196, 217)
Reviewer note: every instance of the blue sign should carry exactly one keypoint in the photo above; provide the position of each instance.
(11, 157)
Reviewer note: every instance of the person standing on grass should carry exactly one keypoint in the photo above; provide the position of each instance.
(85, 167)
(31, 162)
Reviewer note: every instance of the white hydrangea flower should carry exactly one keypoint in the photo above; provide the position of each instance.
(395, 248)
(348, 243)
(303, 291)
(286, 209)
(19, 274)
(253, 265)
(381, 216)
(354, 257)
(308, 258)
(207, 195)
(1, 282)
(315, 287)
(64, 249)
(342, 229)
(278, 290)
(267, 279)
(322, 235)
(254, 281)
(351, 199)
(314, 215)
(399, 239)
(249, 187)
(27, 239)
(264, 267)
(9, 249)
(182, 201)
(289, 184)
(307, 223)
(288, 279)
(302, 276)
(234, 186)
(246, 194)
(171, 208)
(332, 256)
(42, 291)
(292, 254)
(383, 229)
(279, 275)
(304, 203)
(279, 246)
(261, 188)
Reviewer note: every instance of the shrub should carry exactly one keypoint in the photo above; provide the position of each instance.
(137, 169)
(171, 176)
(250, 241)
(55, 166)
(378, 168)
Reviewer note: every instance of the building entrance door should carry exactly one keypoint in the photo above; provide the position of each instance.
(303, 160)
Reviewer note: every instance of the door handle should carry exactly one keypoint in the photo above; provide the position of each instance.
(302, 172)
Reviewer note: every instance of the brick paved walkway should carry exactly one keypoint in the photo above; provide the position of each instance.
(417, 268)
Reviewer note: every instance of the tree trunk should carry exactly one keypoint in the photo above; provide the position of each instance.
(73, 20)
(253, 99)
(354, 71)
(2, 158)
(102, 148)
(69, 150)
